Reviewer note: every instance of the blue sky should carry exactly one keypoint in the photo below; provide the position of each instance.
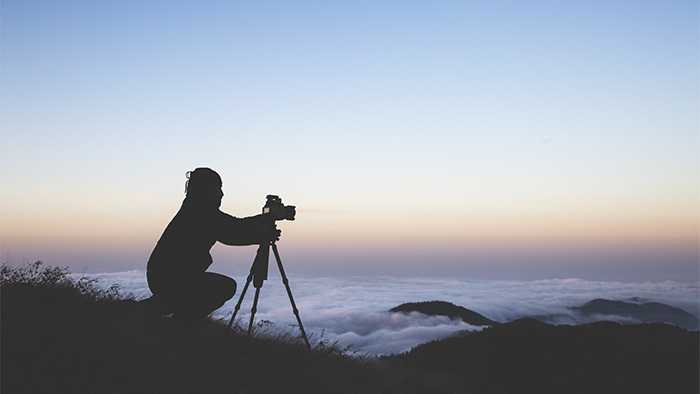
(541, 123)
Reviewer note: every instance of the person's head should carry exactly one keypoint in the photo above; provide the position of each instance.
(203, 186)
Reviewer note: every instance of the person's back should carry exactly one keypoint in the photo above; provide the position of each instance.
(185, 243)
(176, 268)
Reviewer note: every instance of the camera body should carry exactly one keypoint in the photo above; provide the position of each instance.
(277, 210)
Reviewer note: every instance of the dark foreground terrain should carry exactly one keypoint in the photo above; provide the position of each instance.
(591, 358)
(64, 336)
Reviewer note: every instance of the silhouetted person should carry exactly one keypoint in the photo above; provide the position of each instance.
(176, 269)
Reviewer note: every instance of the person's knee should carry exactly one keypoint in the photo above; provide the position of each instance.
(228, 288)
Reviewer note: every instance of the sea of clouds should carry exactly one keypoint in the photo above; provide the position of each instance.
(353, 311)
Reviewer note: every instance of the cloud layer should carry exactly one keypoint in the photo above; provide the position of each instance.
(353, 310)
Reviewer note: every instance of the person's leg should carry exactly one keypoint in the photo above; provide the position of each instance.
(205, 293)
(155, 304)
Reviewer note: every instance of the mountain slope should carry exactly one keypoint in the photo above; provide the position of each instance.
(530, 356)
(64, 336)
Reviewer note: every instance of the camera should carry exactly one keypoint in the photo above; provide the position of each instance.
(279, 211)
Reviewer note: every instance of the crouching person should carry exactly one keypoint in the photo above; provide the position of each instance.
(177, 266)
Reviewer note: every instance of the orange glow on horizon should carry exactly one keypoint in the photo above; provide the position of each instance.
(378, 229)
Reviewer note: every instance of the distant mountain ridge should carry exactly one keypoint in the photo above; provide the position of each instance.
(444, 308)
(595, 310)
(647, 312)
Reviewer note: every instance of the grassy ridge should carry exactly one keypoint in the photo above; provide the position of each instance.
(68, 336)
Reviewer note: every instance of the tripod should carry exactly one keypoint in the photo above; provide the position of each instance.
(258, 274)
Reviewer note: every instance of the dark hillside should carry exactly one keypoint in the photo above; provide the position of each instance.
(63, 336)
(530, 356)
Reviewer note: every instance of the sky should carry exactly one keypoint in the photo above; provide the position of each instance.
(503, 140)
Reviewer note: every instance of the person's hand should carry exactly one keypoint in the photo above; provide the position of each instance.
(277, 233)
(271, 233)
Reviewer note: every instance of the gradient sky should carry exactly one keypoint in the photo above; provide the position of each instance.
(503, 139)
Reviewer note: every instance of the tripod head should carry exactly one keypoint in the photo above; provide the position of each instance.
(275, 210)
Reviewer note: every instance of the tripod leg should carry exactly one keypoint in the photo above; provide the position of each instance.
(253, 310)
(289, 293)
(240, 298)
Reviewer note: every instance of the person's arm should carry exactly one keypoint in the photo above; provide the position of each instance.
(252, 230)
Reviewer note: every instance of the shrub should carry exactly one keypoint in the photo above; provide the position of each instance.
(40, 276)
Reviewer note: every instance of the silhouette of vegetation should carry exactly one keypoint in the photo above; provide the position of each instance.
(64, 335)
